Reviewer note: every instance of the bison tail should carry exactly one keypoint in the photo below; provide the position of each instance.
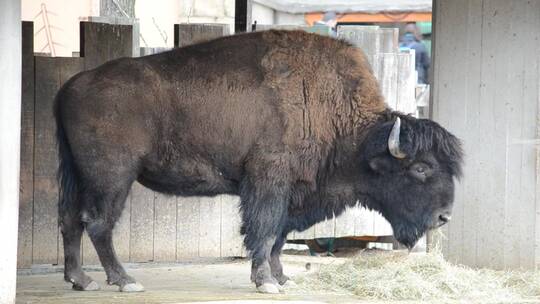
(67, 181)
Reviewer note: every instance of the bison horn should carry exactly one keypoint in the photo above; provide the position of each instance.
(393, 140)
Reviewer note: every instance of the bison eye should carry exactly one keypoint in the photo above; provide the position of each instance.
(420, 171)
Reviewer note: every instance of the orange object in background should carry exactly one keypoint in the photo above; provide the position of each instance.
(372, 18)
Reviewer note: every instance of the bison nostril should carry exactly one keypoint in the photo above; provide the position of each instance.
(445, 218)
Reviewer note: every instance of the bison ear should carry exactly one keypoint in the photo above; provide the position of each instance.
(380, 164)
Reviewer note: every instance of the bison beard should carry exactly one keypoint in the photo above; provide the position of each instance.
(293, 123)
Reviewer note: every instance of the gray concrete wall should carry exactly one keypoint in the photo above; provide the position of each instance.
(10, 130)
(486, 91)
(266, 15)
(262, 14)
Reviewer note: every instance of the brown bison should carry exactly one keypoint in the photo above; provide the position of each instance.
(293, 123)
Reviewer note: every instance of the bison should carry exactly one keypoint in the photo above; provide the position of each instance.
(294, 123)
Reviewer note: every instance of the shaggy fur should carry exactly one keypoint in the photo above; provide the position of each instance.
(292, 122)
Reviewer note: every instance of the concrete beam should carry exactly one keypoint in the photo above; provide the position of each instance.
(10, 132)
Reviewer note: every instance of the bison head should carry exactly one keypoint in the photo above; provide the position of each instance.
(410, 166)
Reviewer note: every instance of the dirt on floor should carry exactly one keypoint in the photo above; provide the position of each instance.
(195, 281)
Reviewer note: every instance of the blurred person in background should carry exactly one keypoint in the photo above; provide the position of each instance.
(412, 39)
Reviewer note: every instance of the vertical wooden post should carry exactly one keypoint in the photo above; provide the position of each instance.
(26, 199)
(187, 34)
(242, 15)
(10, 131)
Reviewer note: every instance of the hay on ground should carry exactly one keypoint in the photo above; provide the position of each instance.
(376, 275)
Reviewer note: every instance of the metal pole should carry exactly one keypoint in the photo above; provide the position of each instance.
(10, 132)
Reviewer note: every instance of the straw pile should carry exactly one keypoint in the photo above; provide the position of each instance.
(402, 276)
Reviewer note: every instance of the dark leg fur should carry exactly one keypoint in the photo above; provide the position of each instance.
(72, 229)
(100, 233)
(264, 199)
(99, 229)
(275, 263)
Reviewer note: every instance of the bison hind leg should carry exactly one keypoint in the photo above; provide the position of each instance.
(72, 229)
(99, 226)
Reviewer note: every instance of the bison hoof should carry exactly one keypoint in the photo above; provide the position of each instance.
(282, 279)
(268, 288)
(92, 286)
(287, 285)
(290, 284)
(132, 287)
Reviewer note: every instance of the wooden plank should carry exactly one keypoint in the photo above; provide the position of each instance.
(122, 232)
(134, 23)
(145, 51)
(232, 242)
(210, 227)
(326, 228)
(381, 227)
(26, 195)
(165, 228)
(101, 42)
(366, 38)
(45, 229)
(345, 223)
(186, 34)
(363, 225)
(187, 238)
(285, 27)
(142, 224)
(389, 40)
(406, 83)
(387, 77)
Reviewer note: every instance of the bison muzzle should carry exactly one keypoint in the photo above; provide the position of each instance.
(293, 123)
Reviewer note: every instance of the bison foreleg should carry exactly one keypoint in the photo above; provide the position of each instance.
(264, 212)
(275, 263)
(276, 267)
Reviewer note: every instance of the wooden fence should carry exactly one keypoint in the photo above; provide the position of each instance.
(153, 226)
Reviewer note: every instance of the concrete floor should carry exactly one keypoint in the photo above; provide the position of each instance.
(196, 281)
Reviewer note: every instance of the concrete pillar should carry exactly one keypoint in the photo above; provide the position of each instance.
(10, 132)
(486, 90)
